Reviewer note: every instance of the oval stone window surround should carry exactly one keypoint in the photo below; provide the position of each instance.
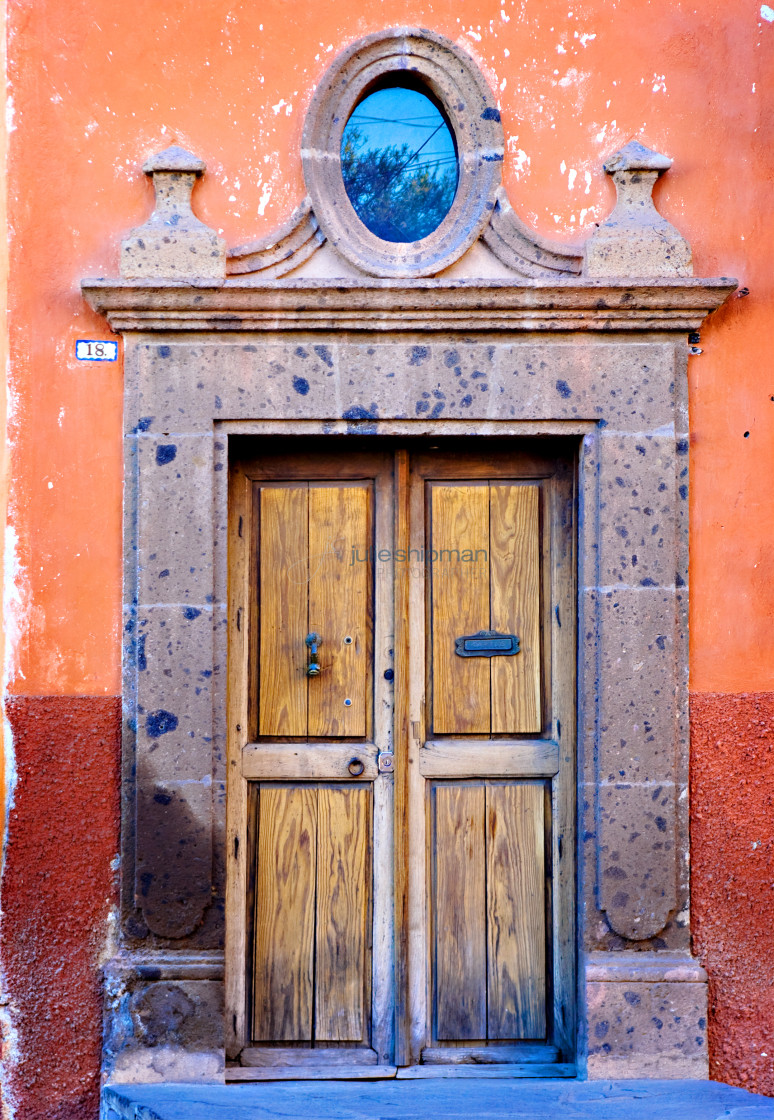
(448, 80)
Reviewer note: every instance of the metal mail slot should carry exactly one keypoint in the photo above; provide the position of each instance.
(486, 643)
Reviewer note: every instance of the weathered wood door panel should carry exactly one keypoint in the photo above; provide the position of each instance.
(309, 583)
(407, 880)
(485, 574)
(312, 906)
(488, 910)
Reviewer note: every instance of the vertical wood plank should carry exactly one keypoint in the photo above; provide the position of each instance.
(460, 911)
(339, 607)
(460, 605)
(284, 920)
(343, 903)
(515, 589)
(516, 931)
(402, 746)
(283, 575)
(238, 872)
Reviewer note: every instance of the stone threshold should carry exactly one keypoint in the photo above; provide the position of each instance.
(428, 1100)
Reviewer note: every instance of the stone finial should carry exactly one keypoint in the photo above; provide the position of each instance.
(635, 240)
(173, 244)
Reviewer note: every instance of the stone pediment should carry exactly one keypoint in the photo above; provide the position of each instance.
(506, 248)
(634, 271)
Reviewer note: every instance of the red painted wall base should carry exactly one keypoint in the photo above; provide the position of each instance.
(732, 879)
(58, 887)
(57, 890)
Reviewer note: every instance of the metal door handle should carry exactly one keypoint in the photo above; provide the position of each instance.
(313, 669)
(356, 767)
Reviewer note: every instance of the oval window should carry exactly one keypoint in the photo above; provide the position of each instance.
(399, 163)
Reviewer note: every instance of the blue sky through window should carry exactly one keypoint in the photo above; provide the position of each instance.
(399, 164)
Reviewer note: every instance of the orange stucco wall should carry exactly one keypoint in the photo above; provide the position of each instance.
(96, 86)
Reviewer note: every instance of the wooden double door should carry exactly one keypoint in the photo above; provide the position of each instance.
(401, 759)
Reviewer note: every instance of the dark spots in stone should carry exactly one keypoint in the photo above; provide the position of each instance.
(682, 447)
(620, 899)
(164, 573)
(142, 662)
(418, 354)
(422, 406)
(659, 1023)
(601, 1029)
(683, 492)
(632, 999)
(164, 351)
(661, 641)
(146, 880)
(191, 613)
(563, 389)
(648, 582)
(615, 873)
(357, 412)
(165, 453)
(661, 824)
(144, 423)
(218, 402)
(490, 114)
(439, 395)
(640, 449)
(437, 410)
(218, 467)
(493, 157)
(451, 358)
(301, 352)
(702, 1023)
(477, 373)
(160, 723)
(466, 401)
(162, 798)
(250, 349)
(301, 386)
(356, 417)
(389, 674)
(324, 354)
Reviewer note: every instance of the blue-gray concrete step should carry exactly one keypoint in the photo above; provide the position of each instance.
(470, 1099)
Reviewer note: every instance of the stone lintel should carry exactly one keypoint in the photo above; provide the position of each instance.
(678, 304)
